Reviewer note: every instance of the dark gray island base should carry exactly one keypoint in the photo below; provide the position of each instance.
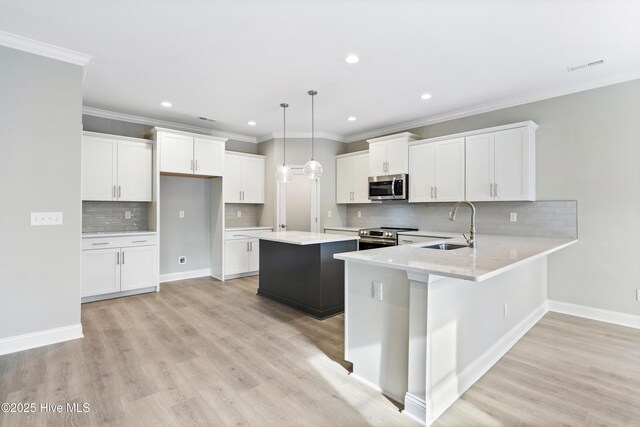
(304, 276)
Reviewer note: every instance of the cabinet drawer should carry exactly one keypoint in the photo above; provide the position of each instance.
(119, 241)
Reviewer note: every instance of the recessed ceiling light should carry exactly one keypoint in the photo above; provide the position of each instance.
(351, 59)
(166, 104)
(351, 119)
(425, 95)
(251, 123)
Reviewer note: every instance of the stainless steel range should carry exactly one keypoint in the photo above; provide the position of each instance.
(372, 238)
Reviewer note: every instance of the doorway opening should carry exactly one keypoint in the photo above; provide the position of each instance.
(298, 206)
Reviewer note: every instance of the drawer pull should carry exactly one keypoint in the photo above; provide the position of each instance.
(138, 241)
(99, 244)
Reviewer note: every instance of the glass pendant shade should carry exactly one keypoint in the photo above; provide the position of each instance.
(283, 173)
(312, 169)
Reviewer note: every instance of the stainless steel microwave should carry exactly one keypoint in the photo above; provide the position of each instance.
(388, 187)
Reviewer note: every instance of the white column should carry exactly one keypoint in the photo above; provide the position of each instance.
(416, 402)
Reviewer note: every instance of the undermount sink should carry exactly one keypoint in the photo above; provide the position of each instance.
(445, 246)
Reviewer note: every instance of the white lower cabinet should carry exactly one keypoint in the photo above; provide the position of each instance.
(242, 256)
(118, 264)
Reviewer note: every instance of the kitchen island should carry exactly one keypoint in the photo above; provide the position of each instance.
(423, 324)
(298, 269)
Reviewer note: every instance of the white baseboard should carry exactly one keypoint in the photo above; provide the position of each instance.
(415, 408)
(40, 338)
(449, 391)
(608, 316)
(170, 277)
(377, 388)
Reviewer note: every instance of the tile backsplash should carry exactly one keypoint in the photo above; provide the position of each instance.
(536, 219)
(110, 216)
(250, 215)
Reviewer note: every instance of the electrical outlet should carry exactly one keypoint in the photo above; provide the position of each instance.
(46, 218)
(513, 217)
(239, 213)
(182, 260)
(127, 214)
(181, 214)
(376, 290)
(505, 311)
(359, 214)
(328, 214)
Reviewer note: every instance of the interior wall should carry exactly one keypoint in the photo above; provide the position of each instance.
(586, 150)
(40, 137)
(298, 152)
(189, 236)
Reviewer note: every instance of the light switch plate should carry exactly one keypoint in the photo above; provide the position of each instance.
(46, 218)
(127, 214)
(239, 214)
(513, 217)
(359, 214)
(328, 214)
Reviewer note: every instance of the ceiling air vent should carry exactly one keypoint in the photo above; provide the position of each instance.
(206, 119)
(587, 65)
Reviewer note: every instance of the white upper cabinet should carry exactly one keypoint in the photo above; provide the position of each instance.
(436, 171)
(352, 178)
(501, 165)
(190, 154)
(116, 168)
(389, 155)
(135, 171)
(243, 179)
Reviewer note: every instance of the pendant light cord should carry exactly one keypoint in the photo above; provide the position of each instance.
(313, 142)
(284, 106)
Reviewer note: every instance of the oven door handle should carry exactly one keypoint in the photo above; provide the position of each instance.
(378, 242)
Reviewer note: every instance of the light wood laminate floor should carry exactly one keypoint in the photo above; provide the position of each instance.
(203, 352)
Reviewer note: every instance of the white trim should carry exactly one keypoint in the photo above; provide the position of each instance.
(302, 135)
(47, 50)
(129, 118)
(407, 135)
(497, 105)
(40, 339)
(447, 392)
(529, 123)
(599, 314)
(353, 154)
(377, 388)
(239, 275)
(415, 408)
(183, 275)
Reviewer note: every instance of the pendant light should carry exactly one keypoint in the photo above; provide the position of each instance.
(283, 172)
(313, 168)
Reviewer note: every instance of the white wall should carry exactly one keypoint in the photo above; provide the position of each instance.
(587, 149)
(40, 137)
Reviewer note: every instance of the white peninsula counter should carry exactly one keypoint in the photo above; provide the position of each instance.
(424, 324)
(298, 268)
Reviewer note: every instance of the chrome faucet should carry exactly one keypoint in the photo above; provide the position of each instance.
(471, 240)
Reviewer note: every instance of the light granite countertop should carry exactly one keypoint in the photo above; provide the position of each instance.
(300, 237)
(255, 227)
(493, 256)
(91, 235)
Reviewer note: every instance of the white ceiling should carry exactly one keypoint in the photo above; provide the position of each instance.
(237, 60)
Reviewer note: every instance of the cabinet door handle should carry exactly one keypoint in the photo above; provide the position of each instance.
(114, 191)
(138, 241)
(196, 165)
(250, 246)
(432, 192)
(435, 192)
(119, 191)
(495, 189)
(100, 244)
(122, 257)
(117, 258)
(491, 190)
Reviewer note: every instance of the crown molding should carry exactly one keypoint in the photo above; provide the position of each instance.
(303, 135)
(493, 106)
(36, 47)
(105, 114)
